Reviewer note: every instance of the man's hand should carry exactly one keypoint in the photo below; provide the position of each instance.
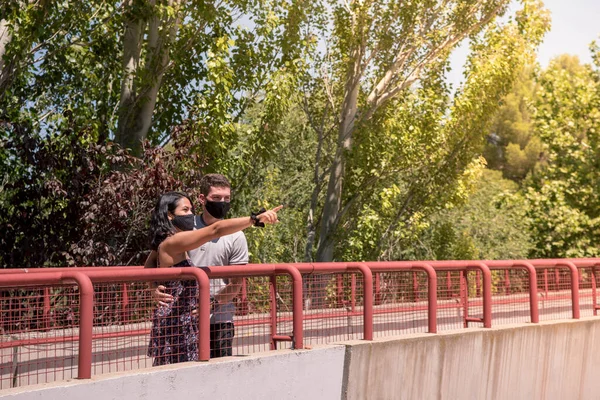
(161, 298)
(269, 216)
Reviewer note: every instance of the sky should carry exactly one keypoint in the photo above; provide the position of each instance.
(575, 24)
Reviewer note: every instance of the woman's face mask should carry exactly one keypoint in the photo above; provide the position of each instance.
(184, 222)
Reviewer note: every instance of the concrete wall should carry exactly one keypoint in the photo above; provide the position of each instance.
(286, 375)
(557, 360)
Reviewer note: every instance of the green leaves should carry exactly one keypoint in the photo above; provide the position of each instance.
(563, 197)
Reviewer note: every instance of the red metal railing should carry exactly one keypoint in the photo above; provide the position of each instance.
(412, 268)
(85, 317)
(271, 270)
(513, 286)
(86, 295)
(343, 301)
(339, 309)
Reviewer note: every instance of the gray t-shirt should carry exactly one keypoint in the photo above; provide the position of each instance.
(226, 250)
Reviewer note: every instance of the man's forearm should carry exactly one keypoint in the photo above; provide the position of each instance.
(229, 292)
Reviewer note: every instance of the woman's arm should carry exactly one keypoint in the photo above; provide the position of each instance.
(172, 247)
(151, 260)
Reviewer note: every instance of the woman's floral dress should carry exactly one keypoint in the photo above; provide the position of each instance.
(174, 335)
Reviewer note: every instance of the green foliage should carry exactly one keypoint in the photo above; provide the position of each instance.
(68, 201)
(511, 146)
(491, 225)
(563, 193)
(420, 152)
(67, 56)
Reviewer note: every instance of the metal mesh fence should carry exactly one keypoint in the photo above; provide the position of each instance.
(39, 335)
(554, 289)
(510, 296)
(122, 322)
(256, 320)
(39, 325)
(401, 304)
(333, 307)
(588, 284)
(451, 300)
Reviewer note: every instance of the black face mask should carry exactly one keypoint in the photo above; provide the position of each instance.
(217, 209)
(184, 222)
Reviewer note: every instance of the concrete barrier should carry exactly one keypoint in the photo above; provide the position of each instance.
(553, 360)
(287, 374)
(557, 360)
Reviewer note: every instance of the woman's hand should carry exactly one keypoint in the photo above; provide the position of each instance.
(269, 216)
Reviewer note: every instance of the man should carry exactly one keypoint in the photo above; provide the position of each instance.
(232, 249)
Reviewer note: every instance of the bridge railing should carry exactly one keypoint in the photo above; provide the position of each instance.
(46, 333)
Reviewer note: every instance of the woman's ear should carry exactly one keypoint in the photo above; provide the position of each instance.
(170, 216)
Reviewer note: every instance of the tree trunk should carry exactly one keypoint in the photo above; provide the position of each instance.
(132, 46)
(333, 200)
(5, 68)
(138, 96)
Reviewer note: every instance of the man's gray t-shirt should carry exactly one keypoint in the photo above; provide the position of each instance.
(226, 250)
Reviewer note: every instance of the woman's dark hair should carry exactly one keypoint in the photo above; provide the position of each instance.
(161, 226)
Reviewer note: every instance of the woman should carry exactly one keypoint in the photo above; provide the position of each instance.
(174, 335)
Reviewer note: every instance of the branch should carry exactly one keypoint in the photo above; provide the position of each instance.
(381, 93)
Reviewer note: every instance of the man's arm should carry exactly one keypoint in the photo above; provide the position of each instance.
(229, 292)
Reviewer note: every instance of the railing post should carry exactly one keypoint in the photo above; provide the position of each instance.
(125, 305)
(464, 297)
(487, 295)
(431, 296)
(533, 292)
(46, 311)
(86, 322)
(297, 316)
(377, 289)
(339, 294)
(367, 300)
(273, 309)
(594, 298)
(574, 288)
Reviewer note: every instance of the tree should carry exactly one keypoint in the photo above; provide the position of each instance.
(511, 146)
(401, 144)
(171, 59)
(491, 225)
(563, 192)
(68, 201)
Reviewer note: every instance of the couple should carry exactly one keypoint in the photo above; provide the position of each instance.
(182, 239)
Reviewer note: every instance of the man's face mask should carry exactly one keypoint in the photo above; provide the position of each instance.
(217, 209)
(184, 222)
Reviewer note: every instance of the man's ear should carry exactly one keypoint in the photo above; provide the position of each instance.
(202, 199)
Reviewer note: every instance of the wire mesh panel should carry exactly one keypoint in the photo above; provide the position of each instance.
(39, 335)
(256, 320)
(451, 300)
(283, 299)
(510, 296)
(333, 307)
(554, 290)
(588, 284)
(401, 304)
(122, 321)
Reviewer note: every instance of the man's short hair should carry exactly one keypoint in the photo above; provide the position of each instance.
(213, 180)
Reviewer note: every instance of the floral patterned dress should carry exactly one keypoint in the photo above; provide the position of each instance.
(174, 335)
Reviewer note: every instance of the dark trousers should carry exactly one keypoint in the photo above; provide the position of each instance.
(221, 339)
